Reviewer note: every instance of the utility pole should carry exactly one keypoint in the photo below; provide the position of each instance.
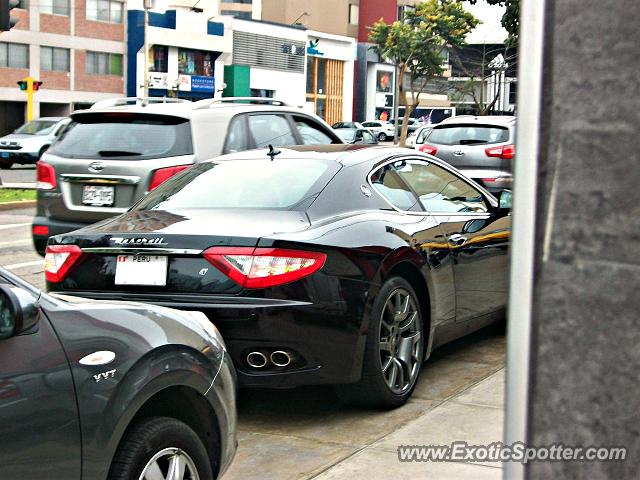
(396, 99)
(148, 5)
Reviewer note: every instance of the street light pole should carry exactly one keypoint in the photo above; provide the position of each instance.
(148, 4)
(396, 99)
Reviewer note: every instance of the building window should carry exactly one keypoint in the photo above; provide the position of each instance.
(159, 59)
(54, 7)
(513, 93)
(22, 4)
(14, 55)
(54, 59)
(104, 63)
(104, 11)
(236, 14)
(195, 62)
(354, 14)
(262, 93)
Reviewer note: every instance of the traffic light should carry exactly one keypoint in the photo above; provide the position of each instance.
(23, 85)
(29, 85)
(36, 85)
(6, 20)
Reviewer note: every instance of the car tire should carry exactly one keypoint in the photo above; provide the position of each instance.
(6, 166)
(382, 137)
(403, 330)
(156, 443)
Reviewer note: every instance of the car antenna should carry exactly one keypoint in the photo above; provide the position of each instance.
(273, 152)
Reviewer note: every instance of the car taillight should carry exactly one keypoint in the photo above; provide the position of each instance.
(264, 267)
(40, 230)
(45, 176)
(430, 149)
(164, 174)
(58, 261)
(506, 152)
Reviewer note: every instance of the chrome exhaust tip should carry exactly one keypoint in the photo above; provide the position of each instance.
(280, 358)
(256, 359)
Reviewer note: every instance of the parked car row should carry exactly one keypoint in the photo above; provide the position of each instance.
(318, 261)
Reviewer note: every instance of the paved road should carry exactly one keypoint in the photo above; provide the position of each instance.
(306, 433)
(19, 174)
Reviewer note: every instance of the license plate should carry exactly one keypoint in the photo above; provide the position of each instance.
(5, 154)
(141, 270)
(97, 196)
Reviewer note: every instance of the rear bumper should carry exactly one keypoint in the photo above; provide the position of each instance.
(56, 227)
(493, 180)
(326, 340)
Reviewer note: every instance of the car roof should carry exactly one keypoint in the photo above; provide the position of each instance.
(345, 154)
(500, 120)
(52, 119)
(190, 110)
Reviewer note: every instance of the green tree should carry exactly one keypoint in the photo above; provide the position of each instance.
(417, 44)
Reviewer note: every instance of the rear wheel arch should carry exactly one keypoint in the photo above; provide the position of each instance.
(411, 273)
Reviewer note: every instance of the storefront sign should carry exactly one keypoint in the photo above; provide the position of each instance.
(184, 83)
(159, 80)
(203, 84)
(312, 49)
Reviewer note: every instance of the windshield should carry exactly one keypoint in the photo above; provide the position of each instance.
(468, 135)
(281, 184)
(37, 127)
(346, 135)
(124, 136)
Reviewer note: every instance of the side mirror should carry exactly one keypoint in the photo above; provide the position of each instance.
(505, 200)
(19, 311)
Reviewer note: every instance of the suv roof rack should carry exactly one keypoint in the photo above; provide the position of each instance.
(142, 101)
(207, 103)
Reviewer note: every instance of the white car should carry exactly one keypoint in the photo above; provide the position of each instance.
(381, 129)
(416, 140)
(28, 143)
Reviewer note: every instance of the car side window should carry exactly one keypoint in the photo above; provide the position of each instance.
(368, 138)
(236, 136)
(311, 133)
(439, 190)
(388, 183)
(271, 129)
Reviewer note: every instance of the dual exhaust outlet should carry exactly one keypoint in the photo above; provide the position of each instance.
(278, 358)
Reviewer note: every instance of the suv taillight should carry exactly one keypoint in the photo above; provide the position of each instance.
(506, 152)
(164, 174)
(58, 261)
(45, 176)
(264, 267)
(430, 149)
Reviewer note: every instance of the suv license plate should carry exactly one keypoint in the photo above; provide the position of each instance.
(97, 196)
(141, 270)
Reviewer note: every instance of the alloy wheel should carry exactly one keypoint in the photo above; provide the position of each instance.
(399, 341)
(170, 464)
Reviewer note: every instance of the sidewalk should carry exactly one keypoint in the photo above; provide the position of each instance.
(475, 416)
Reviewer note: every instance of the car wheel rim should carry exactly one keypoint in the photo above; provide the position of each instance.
(170, 464)
(399, 341)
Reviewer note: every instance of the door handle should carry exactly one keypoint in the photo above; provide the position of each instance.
(457, 239)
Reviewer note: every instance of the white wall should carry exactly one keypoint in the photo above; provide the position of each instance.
(288, 87)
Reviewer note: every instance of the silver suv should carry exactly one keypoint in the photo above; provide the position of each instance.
(483, 148)
(28, 143)
(111, 155)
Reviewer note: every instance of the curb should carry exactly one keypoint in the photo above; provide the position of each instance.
(18, 186)
(15, 205)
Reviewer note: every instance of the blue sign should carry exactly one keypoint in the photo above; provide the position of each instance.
(312, 49)
(203, 84)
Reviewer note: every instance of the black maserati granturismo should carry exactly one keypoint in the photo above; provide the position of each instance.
(320, 265)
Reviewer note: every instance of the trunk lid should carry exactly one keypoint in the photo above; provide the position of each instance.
(180, 237)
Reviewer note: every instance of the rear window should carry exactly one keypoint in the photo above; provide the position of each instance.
(468, 135)
(124, 136)
(285, 184)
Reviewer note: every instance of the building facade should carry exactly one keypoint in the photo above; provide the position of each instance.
(187, 52)
(75, 47)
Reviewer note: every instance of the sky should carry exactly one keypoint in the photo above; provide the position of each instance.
(490, 30)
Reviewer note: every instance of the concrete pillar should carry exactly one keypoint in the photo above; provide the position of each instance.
(576, 249)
